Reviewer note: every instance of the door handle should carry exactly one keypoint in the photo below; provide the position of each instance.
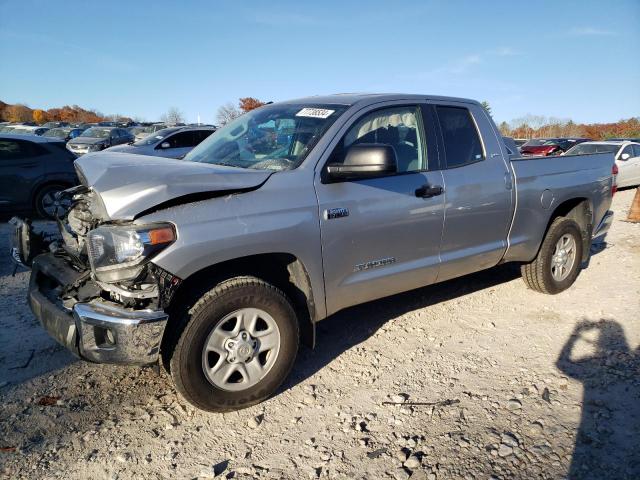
(428, 191)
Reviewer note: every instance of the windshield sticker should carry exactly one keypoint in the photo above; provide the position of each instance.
(314, 113)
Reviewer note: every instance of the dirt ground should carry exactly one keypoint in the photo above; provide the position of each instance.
(520, 385)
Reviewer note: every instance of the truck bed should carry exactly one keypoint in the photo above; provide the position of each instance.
(543, 184)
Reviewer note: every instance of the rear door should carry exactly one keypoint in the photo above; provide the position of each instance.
(378, 236)
(21, 166)
(478, 190)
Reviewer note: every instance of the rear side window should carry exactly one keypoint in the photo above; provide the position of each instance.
(462, 143)
(636, 150)
(17, 149)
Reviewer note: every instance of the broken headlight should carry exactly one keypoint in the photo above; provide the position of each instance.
(118, 253)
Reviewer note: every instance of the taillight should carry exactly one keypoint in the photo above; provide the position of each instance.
(614, 175)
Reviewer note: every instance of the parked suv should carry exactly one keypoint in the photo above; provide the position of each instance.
(32, 170)
(95, 139)
(173, 142)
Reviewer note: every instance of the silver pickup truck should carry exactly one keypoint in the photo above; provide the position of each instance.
(220, 264)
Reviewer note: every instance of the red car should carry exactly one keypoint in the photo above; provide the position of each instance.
(549, 146)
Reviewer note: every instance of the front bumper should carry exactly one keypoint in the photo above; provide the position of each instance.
(98, 331)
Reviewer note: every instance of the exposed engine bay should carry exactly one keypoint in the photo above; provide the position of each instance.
(146, 286)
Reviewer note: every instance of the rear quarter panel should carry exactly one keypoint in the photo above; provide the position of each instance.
(543, 184)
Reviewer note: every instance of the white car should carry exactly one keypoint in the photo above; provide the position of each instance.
(173, 142)
(626, 155)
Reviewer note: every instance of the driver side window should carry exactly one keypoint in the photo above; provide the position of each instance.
(626, 150)
(395, 126)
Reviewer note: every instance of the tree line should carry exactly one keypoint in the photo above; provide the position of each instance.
(528, 126)
(68, 113)
(537, 126)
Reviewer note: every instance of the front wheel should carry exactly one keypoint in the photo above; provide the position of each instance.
(557, 264)
(238, 344)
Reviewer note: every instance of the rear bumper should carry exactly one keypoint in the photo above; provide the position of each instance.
(603, 227)
(98, 331)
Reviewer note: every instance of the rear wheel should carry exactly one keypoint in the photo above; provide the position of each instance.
(46, 203)
(237, 345)
(557, 264)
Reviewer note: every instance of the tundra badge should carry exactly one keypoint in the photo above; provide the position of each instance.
(336, 213)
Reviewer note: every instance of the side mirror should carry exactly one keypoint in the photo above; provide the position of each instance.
(366, 160)
(165, 145)
(625, 156)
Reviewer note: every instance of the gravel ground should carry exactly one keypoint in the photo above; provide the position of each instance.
(516, 385)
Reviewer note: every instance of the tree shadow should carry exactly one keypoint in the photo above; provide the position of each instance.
(608, 438)
(348, 328)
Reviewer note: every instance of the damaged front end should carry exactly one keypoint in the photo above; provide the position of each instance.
(92, 284)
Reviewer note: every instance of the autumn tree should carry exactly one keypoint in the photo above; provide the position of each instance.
(39, 116)
(173, 116)
(227, 113)
(247, 104)
(505, 131)
(18, 113)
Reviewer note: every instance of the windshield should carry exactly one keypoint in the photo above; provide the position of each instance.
(56, 132)
(274, 137)
(156, 137)
(585, 148)
(96, 132)
(136, 130)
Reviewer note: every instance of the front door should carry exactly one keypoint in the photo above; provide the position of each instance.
(378, 236)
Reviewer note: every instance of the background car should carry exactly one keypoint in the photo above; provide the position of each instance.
(32, 170)
(549, 146)
(63, 133)
(173, 142)
(148, 130)
(95, 139)
(56, 124)
(25, 130)
(626, 155)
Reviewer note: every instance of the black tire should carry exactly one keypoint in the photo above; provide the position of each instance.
(537, 274)
(185, 358)
(40, 201)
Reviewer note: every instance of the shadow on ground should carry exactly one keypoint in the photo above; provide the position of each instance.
(608, 440)
(350, 327)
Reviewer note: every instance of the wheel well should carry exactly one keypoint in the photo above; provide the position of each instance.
(579, 210)
(39, 188)
(282, 270)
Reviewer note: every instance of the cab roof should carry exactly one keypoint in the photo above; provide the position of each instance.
(369, 98)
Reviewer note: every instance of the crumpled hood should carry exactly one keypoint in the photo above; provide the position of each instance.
(130, 184)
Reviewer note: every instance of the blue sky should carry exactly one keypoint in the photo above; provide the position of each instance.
(575, 60)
